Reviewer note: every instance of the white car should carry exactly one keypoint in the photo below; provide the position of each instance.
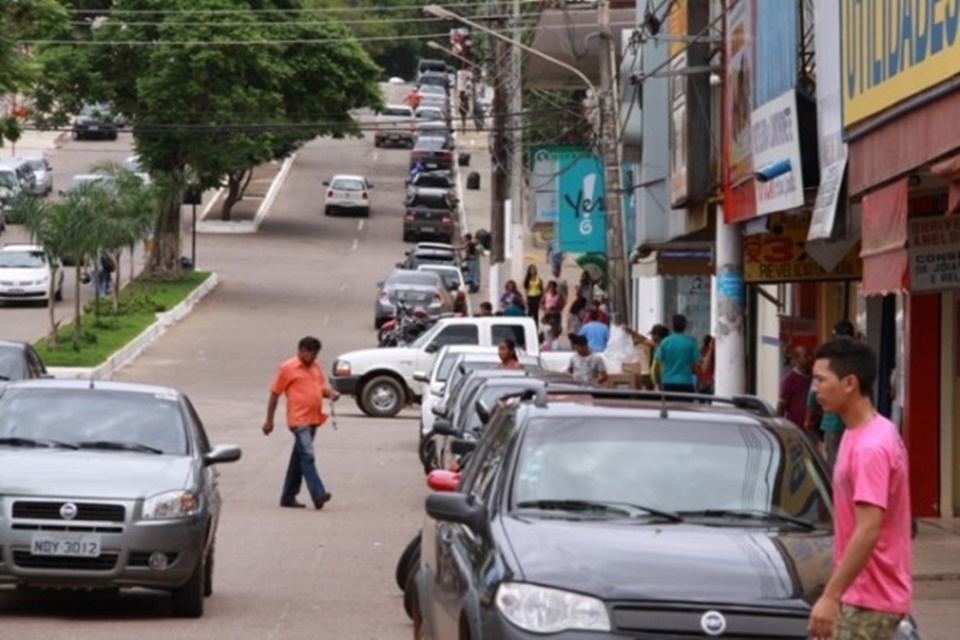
(347, 193)
(25, 273)
(9, 184)
(434, 381)
(43, 172)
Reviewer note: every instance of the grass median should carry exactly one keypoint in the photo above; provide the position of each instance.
(103, 331)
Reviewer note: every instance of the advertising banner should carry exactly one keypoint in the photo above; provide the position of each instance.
(934, 253)
(775, 136)
(892, 50)
(832, 149)
(740, 94)
(582, 217)
(546, 167)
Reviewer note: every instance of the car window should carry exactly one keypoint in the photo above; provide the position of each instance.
(683, 466)
(11, 259)
(430, 113)
(8, 178)
(485, 466)
(78, 416)
(429, 143)
(429, 201)
(12, 365)
(396, 112)
(34, 363)
(419, 278)
(450, 277)
(515, 332)
(347, 184)
(457, 334)
(201, 435)
(432, 182)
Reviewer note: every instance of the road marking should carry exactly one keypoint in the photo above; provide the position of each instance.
(356, 243)
(360, 225)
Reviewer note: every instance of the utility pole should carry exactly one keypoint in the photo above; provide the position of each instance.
(515, 229)
(498, 190)
(608, 98)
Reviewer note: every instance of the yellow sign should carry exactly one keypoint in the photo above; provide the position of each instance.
(891, 50)
(677, 24)
(780, 255)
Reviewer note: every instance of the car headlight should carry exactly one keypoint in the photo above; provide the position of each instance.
(170, 504)
(341, 368)
(544, 610)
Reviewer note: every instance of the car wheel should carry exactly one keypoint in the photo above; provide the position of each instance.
(383, 397)
(328, 210)
(365, 212)
(187, 600)
(75, 135)
(410, 594)
(112, 136)
(407, 237)
(208, 574)
(377, 143)
(408, 559)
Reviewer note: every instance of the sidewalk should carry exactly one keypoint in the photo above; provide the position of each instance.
(34, 143)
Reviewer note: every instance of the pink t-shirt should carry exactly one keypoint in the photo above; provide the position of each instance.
(872, 468)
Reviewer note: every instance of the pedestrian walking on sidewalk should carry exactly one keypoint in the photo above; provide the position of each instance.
(794, 388)
(471, 256)
(300, 379)
(552, 305)
(596, 333)
(533, 287)
(870, 589)
(463, 106)
(678, 357)
(510, 292)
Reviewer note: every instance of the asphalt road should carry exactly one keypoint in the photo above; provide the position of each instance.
(280, 573)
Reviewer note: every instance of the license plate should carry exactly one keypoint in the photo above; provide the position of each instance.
(15, 290)
(94, 127)
(428, 229)
(81, 545)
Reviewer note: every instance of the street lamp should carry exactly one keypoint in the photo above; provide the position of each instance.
(609, 137)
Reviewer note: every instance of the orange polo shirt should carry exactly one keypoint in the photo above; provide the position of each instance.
(303, 388)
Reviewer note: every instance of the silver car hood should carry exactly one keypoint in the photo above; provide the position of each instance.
(90, 474)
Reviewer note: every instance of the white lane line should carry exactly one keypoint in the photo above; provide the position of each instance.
(356, 243)
(360, 225)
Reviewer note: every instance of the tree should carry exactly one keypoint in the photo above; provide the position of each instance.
(213, 91)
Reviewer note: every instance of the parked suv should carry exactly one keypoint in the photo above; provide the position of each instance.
(95, 121)
(618, 514)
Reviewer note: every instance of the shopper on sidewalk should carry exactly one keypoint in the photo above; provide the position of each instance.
(595, 332)
(509, 292)
(533, 288)
(678, 356)
(794, 388)
(870, 590)
(300, 379)
(585, 366)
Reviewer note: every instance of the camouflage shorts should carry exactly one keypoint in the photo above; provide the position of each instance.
(855, 623)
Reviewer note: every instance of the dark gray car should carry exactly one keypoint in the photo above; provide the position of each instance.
(108, 485)
(423, 289)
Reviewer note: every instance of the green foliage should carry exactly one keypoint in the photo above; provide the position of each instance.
(555, 117)
(115, 329)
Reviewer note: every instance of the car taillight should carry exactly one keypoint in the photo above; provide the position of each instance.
(384, 294)
(408, 217)
(461, 296)
(416, 154)
(364, 195)
(446, 219)
(437, 297)
(329, 193)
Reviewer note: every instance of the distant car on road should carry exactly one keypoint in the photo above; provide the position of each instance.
(347, 193)
(43, 173)
(95, 121)
(453, 280)
(25, 274)
(413, 289)
(19, 361)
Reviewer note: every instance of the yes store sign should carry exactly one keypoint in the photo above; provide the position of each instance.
(582, 215)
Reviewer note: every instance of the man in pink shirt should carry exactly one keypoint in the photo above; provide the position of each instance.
(870, 589)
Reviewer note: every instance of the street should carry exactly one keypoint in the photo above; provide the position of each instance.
(280, 573)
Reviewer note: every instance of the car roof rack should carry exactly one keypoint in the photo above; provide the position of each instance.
(746, 402)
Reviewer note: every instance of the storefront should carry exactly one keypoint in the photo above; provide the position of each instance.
(903, 168)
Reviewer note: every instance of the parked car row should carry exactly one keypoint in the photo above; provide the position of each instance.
(29, 174)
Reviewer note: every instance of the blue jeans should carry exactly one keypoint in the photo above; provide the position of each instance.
(473, 273)
(302, 467)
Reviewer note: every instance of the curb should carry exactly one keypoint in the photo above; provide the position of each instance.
(245, 226)
(138, 345)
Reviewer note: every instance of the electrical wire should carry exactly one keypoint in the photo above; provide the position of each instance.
(292, 11)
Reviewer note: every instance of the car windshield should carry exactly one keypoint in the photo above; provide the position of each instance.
(8, 178)
(430, 113)
(11, 259)
(95, 419)
(13, 366)
(429, 143)
(680, 467)
(347, 184)
(37, 165)
(95, 110)
(450, 277)
(432, 182)
(396, 112)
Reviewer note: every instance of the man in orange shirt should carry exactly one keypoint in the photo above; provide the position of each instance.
(302, 381)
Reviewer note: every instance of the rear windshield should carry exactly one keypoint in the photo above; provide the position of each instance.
(37, 165)
(420, 278)
(429, 201)
(430, 113)
(347, 184)
(398, 112)
(429, 143)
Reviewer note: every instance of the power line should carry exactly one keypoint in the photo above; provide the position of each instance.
(295, 11)
(227, 43)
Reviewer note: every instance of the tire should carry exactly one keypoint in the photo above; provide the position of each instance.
(328, 210)
(428, 455)
(383, 397)
(410, 594)
(208, 574)
(376, 143)
(187, 601)
(365, 212)
(407, 236)
(409, 558)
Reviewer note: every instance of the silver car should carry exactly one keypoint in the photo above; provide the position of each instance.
(107, 485)
(43, 173)
(415, 289)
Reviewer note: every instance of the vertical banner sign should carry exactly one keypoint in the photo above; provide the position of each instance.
(583, 225)
(679, 178)
(934, 253)
(776, 139)
(832, 148)
(548, 162)
(740, 89)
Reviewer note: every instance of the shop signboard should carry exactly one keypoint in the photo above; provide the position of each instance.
(892, 50)
(934, 253)
(780, 255)
(775, 135)
(582, 215)
(740, 95)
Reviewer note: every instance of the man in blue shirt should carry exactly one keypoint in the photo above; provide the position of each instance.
(678, 356)
(595, 332)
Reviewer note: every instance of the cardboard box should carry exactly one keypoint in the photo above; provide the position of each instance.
(622, 381)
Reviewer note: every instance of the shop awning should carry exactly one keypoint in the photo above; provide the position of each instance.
(688, 255)
(884, 253)
(949, 170)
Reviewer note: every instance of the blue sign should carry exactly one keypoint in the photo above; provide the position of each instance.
(582, 215)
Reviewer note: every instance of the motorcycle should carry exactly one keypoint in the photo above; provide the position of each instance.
(405, 327)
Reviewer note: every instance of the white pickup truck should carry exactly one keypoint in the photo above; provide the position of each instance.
(396, 124)
(382, 380)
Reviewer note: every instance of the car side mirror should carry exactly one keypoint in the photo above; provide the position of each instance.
(459, 508)
(326, 183)
(433, 347)
(462, 447)
(443, 427)
(443, 481)
(222, 453)
(420, 376)
(380, 283)
(369, 186)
